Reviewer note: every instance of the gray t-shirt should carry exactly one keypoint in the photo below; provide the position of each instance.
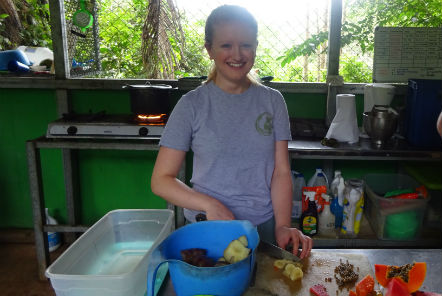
(233, 139)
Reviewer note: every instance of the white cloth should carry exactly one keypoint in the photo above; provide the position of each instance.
(344, 127)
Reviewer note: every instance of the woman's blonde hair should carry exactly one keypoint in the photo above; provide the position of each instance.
(229, 13)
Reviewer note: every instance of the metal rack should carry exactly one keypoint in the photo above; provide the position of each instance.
(306, 149)
(395, 151)
(37, 195)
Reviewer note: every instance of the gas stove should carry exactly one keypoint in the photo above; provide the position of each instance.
(107, 126)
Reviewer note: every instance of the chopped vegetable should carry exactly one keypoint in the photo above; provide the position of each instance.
(319, 290)
(293, 272)
(236, 251)
(197, 257)
(243, 239)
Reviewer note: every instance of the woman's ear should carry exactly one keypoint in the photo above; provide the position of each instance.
(209, 49)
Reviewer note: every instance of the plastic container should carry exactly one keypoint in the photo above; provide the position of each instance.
(326, 220)
(12, 55)
(393, 219)
(424, 104)
(428, 174)
(54, 238)
(313, 180)
(309, 218)
(353, 207)
(37, 54)
(337, 204)
(214, 236)
(335, 183)
(112, 256)
(298, 183)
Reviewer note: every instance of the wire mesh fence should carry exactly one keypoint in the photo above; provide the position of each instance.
(293, 38)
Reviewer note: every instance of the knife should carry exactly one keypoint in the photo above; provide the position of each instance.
(276, 252)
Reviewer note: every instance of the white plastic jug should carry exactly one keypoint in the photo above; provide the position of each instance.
(313, 181)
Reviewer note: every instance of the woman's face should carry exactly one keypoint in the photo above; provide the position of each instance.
(233, 50)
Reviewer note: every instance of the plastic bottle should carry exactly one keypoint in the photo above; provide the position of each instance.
(353, 207)
(334, 184)
(298, 183)
(54, 240)
(326, 220)
(337, 204)
(309, 218)
(312, 181)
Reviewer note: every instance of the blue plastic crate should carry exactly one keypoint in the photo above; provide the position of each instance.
(424, 103)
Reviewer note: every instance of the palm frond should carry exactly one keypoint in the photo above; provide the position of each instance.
(162, 40)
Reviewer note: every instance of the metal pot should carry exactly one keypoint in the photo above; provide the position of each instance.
(380, 126)
(149, 98)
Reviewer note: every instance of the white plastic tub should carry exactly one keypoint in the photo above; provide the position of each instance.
(112, 256)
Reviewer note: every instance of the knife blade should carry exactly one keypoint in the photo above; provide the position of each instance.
(276, 252)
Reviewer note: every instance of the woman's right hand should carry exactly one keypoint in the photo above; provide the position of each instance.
(217, 211)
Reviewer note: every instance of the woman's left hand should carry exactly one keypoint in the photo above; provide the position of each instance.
(286, 234)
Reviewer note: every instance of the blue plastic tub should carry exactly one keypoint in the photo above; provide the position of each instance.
(215, 236)
(12, 55)
(424, 103)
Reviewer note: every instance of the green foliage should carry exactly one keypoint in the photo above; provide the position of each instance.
(306, 48)
(35, 28)
(363, 16)
(4, 41)
(353, 70)
(120, 44)
(195, 61)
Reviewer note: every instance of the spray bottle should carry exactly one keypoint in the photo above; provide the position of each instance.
(54, 240)
(337, 205)
(326, 219)
(309, 218)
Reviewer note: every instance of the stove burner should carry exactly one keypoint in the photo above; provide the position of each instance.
(107, 126)
(153, 119)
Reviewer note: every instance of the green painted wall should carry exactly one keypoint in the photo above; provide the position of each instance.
(108, 179)
(24, 114)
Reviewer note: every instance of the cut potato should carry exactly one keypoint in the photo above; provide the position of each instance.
(293, 272)
(296, 274)
(281, 263)
(221, 262)
(236, 251)
(243, 240)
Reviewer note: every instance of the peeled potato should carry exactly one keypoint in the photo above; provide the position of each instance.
(236, 251)
(293, 272)
(243, 240)
(280, 263)
(288, 270)
(296, 274)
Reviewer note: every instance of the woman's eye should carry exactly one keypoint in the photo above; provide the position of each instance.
(246, 45)
(226, 45)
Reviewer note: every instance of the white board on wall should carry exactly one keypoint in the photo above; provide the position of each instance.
(404, 53)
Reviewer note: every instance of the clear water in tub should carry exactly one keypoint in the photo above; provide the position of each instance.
(119, 258)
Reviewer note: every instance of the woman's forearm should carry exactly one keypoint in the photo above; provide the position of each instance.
(178, 193)
(281, 186)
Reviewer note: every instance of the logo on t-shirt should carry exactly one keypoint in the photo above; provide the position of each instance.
(264, 124)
